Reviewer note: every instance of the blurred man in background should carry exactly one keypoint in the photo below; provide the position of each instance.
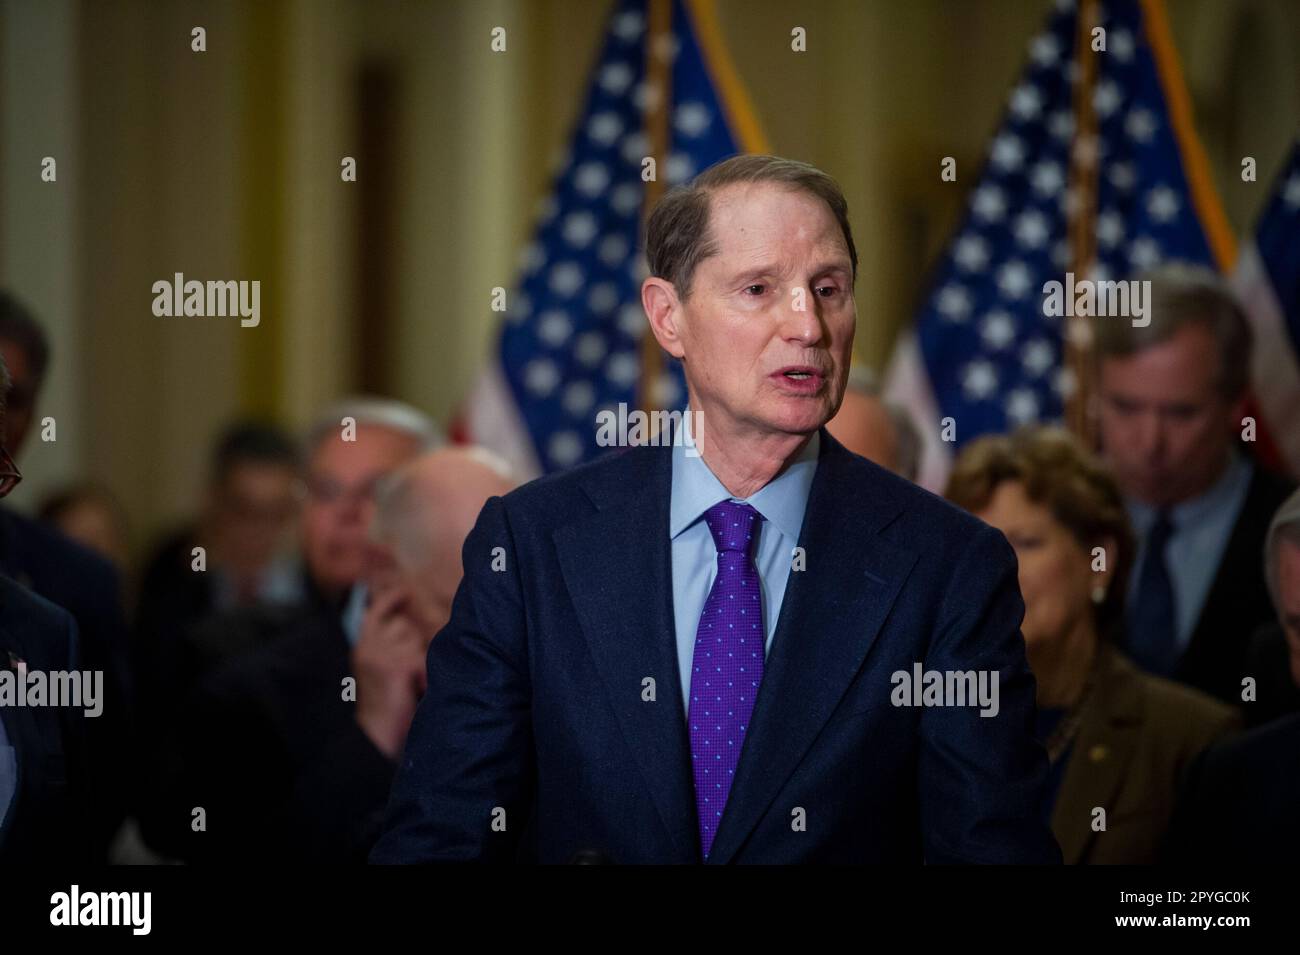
(297, 743)
(44, 796)
(1173, 399)
(250, 503)
(1239, 801)
(1274, 656)
(233, 556)
(877, 429)
(69, 576)
(350, 448)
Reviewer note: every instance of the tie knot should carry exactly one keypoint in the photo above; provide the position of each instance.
(733, 526)
(1161, 529)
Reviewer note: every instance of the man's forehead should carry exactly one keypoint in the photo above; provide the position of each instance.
(1173, 363)
(767, 203)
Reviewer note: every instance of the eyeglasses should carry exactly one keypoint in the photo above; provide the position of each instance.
(323, 490)
(9, 473)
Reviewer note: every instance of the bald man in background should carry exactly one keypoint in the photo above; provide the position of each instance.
(421, 523)
(874, 428)
(304, 734)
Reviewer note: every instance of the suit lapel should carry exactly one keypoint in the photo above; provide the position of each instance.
(1108, 736)
(617, 566)
(830, 616)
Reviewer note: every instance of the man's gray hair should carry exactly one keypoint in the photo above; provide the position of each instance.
(1284, 527)
(377, 412)
(1184, 294)
(907, 437)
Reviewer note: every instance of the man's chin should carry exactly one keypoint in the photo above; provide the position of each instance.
(799, 414)
(1154, 492)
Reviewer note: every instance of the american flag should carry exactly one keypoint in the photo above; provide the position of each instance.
(981, 350)
(1267, 279)
(571, 343)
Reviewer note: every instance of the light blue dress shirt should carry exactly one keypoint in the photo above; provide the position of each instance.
(695, 489)
(354, 612)
(1202, 528)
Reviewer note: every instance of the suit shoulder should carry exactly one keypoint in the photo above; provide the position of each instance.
(924, 517)
(553, 498)
(1253, 757)
(40, 536)
(17, 599)
(39, 624)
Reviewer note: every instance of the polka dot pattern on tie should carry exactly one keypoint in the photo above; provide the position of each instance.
(728, 663)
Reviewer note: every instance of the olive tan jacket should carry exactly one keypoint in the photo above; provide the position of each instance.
(1137, 735)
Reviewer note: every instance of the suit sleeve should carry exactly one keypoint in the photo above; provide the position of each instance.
(982, 778)
(465, 781)
(78, 768)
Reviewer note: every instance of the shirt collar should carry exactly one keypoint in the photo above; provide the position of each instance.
(1215, 499)
(354, 611)
(782, 501)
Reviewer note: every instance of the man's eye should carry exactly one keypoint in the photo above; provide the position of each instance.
(826, 291)
(755, 289)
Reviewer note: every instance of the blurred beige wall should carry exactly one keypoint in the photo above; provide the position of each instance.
(225, 164)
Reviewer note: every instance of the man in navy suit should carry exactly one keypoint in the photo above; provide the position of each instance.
(69, 576)
(699, 652)
(44, 787)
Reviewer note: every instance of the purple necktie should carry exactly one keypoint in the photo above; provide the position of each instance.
(728, 663)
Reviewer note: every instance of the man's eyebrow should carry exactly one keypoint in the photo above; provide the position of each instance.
(751, 271)
(839, 265)
(823, 268)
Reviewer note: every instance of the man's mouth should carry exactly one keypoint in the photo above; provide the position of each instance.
(802, 378)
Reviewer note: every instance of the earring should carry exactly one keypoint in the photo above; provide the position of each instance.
(1099, 594)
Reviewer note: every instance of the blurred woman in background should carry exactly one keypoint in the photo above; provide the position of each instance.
(1117, 739)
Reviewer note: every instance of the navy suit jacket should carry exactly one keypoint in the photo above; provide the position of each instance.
(538, 740)
(47, 820)
(84, 584)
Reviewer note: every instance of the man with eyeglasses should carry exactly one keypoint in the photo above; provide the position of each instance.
(43, 794)
(68, 575)
(301, 738)
(350, 448)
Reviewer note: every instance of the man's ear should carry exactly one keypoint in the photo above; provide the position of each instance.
(664, 310)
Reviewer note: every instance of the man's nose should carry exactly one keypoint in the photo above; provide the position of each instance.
(354, 508)
(1150, 436)
(802, 320)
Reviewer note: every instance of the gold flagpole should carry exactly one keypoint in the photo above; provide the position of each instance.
(658, 65)
(1081, 219)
